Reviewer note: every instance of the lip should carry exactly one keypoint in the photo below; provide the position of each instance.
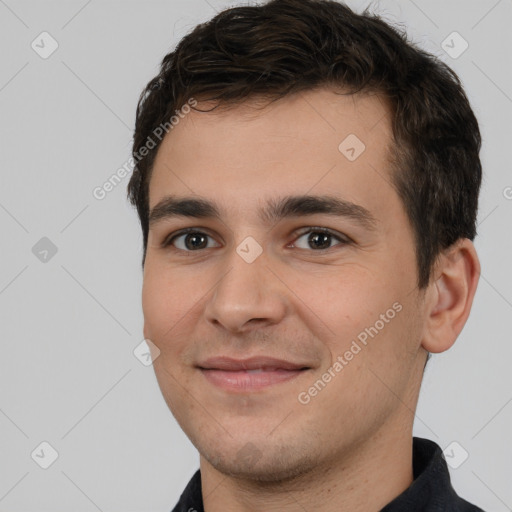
(251, 363)
(252, 374)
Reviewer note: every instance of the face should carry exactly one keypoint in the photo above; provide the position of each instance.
(289, 330)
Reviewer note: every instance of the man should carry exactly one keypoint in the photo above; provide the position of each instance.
(307, 184)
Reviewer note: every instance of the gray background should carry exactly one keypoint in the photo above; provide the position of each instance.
(71, 320)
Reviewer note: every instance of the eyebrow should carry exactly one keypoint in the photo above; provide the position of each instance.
(275, 209)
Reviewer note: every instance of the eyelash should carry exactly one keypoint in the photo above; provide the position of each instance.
(343, 239)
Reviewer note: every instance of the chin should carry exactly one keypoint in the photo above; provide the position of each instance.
(261, 462)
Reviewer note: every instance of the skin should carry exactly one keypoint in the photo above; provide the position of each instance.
(266, 451)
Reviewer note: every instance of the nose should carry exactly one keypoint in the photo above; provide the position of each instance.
(248, 296)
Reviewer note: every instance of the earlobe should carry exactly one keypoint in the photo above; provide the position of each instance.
(457, 271)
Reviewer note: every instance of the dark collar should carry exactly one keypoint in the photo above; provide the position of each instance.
(431, 490)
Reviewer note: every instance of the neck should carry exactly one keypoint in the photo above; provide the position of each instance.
(374, 472)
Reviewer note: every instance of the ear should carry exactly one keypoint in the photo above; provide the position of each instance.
(451, 295)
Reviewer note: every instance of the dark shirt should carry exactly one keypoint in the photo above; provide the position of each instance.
(431, 490)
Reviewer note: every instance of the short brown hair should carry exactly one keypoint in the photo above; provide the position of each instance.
(287, 46)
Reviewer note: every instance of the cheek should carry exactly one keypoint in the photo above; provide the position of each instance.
(166, 314)
(339, 305)
(163, 305)
(366, 320)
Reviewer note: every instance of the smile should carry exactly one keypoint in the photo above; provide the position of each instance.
(249, 380)
(251, 374)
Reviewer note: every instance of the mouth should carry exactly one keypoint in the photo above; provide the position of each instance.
(251, 374)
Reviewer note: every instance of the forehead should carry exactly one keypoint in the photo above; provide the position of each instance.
(318, 142)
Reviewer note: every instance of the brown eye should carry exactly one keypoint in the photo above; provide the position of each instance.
(191, 240)
(318, 239)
